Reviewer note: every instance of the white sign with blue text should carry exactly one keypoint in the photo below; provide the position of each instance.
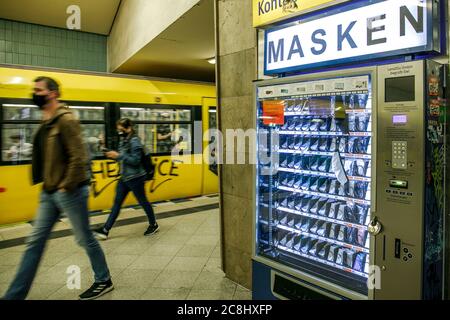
(380, 29)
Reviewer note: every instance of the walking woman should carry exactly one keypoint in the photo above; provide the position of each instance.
(132, 178)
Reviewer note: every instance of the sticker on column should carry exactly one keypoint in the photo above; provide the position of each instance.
(338, 168)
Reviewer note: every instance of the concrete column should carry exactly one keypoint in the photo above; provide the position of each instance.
(237, 46)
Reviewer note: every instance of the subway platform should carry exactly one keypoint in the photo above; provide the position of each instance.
(180, 262)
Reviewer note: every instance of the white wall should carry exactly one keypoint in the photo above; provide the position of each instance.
(138, 22)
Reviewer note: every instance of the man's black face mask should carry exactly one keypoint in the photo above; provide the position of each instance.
(40, 100)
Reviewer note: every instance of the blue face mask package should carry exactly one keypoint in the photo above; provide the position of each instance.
(340, 215)
(298, 181)
(362, 101)
(361, 236)
(283, 218)
(314, 165)
(323, 253)
(291, 163)
(297, 143)
(333, 187)
(306, 124)
(314, 184)
(297, 243)
(340, 256)
(325, 124)
(298, 105)
(305, 245)
(360, 261)
(333, 145)
(291, 180)
(323, 144)
(298, 162)
(316, 204)
(286, 124)
(322, 230)
(333, 126)
(291, 220)
(305, 144)
(298, 203)
(324, 206)
(305, 163)
(294, 121)
(341, 233)
(360, 189)
(289, 241)
(332, 253)
(342, 145)
(314, 146)
(317, 245)
(350, 101)
(360, 213)
(289, 106)
(306, 204)
(315, 124)
(349, 257)
(362, 122)
(352, 235)
(314, 226)
(323, 185)
(306, 224)
(342, 189)
(299, 223)
(352, 122)
(306, 183)
(291, 202)
(333, 231)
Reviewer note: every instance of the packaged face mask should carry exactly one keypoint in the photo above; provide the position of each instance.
(352, 235)
(298, 105)
(360, 213)
(293, 123)
(314, 184)
(306, 183)
(315, 124)
(362, 101)
(304, 164)
(342, 189)
(306, 223)
(348, 167)
(342, 144)
(360, 189)
(306, 124)
(352, 122)
(314, 248)
(306, 204)
(341, 212)
(305, 144)
(297, 243)
(305, 245)
(333, 187)
(349, 257)
(333, 126)
(314, 145)
(291, 180)
(360, 262)
(323, 144)
(324, 164)
(342, 126)
(362, 122)
(298, 162)
(340, 256)
(283, 238)
(314, 164)
(322, 230)
(323, 253)
(285, 125)
(291, 202)
(298, 203)
(290, 241)
(361, 236)
(333, 231)
(323, 185)
(341, 233)
(350, 101)
(284, 142)
(299, 223)
(323, 207)
(284, 202)
(333, 145)
(283, 218)
(360, 145)
(298, 182)
(334, 207)
(298, 143)
(315, 207)
(350, 213)
(314, 226)
(332, 253)
(289, 106)
(291, 162)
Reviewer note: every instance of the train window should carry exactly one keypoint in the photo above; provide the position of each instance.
(17, 141)
(94, 137)
(160, 115)
(165, 138)
(17, 112)
(88, 113)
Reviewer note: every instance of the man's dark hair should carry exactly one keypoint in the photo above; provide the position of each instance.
(52, 85)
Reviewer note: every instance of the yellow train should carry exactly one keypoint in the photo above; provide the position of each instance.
(184, 109)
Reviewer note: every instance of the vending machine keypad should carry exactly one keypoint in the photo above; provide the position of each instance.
(399, 154)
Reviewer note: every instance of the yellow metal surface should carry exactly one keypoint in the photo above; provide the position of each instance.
(270, 11)
(178, 177)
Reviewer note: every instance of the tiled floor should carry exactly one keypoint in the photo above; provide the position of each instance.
(181, 261)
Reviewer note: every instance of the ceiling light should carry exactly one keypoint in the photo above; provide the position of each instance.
(212, 61)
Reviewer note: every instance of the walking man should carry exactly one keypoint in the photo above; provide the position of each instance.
(59, 160)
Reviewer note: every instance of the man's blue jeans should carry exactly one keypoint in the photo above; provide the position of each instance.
(137, 186)
(74, 205)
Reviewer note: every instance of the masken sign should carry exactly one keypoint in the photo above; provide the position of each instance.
(369, 30)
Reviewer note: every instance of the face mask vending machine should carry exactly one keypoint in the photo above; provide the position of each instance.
(350, 184)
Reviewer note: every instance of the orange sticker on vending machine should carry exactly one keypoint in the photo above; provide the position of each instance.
(273, 112)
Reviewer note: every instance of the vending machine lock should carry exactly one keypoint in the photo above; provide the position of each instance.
(374, 227)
